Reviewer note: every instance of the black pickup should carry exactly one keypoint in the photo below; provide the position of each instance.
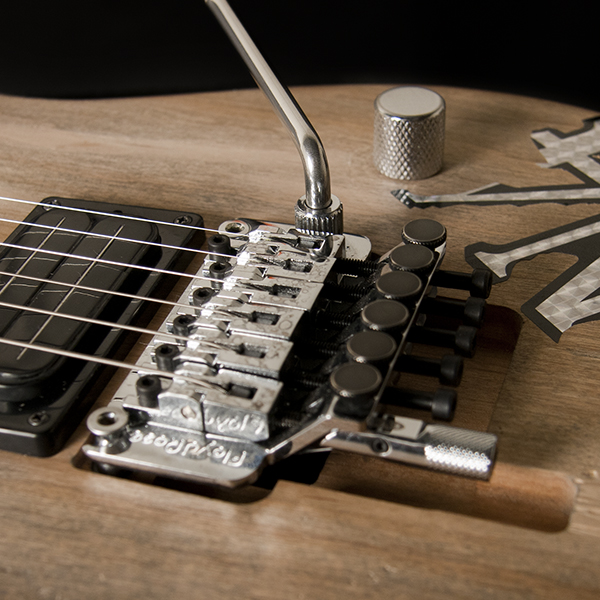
(69, 256)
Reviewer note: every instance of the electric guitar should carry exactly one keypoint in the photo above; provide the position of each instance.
(312, 485)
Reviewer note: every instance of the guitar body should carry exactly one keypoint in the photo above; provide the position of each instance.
(365, 528)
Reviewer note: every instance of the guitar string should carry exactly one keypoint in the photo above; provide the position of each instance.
(32, 346)
(112, 262)
(18, 274)
(118, 215)
(70, 291)
(91, 234)
(46, 238)
(56, 228)
(52, 229)
(273, 238)
(113, 363)
(231, 234)
(125, 327)
(182, 274)
(99, 235)
(164, 302)
(58, 314)
(87, 288)
(93, 260)
(93, 358)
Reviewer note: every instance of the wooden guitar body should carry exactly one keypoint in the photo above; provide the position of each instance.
(366, 528)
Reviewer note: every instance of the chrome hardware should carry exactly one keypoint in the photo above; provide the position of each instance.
(317, 212)
(291, 359)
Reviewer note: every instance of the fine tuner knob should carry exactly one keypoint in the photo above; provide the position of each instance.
(377, 347)
(356, 385)
(424, 231)
(318, 211)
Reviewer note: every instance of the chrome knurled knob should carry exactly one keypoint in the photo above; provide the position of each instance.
(320, 222)
(408, 141)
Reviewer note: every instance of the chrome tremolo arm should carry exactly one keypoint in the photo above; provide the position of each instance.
(317, 212)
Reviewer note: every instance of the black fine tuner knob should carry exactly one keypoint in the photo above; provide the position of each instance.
(220, 245)
(398, 285)
(462, 340)
(426, 232)
(411, 257)
(371, 347)
(470, 311)
(448, 369)
(148, 387)
(385, 315)
(356, 380)
(478, 283)
(441, 403)
(355, 385)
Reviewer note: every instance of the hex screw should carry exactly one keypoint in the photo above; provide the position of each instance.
(38, 418)
(379, 446)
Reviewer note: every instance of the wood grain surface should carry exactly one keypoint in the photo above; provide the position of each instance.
(366, 529)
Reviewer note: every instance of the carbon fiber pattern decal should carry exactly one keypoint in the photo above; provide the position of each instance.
(571, 298)
(569, 305)
(576, 152)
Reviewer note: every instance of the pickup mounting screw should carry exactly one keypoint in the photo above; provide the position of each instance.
(38, 418)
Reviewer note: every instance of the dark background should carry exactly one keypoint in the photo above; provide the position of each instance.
(87, 49)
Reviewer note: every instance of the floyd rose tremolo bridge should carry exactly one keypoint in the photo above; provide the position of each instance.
(287, 341)
(287, 345)
(291, 340)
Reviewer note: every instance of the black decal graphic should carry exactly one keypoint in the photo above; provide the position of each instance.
(574, 296)
(577, 152)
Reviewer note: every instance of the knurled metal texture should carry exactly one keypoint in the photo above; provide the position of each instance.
(408, 148)
(460, 451)
(319, 222)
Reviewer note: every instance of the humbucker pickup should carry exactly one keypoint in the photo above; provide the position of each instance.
(291, 343)
(69, 272)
